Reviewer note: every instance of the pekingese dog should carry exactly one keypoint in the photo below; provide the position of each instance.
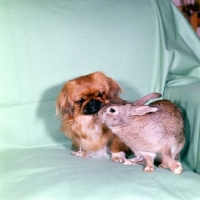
(77, 104)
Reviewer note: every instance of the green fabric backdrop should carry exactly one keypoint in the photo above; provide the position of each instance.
(145, 45)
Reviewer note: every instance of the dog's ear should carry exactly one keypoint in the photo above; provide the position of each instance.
(64, 104)
(114, 89)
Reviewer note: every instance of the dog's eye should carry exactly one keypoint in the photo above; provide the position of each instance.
(80, 101)
(112, 110)
(101, 94)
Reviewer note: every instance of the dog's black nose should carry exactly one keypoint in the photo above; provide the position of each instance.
(94, 103)
(92, 107)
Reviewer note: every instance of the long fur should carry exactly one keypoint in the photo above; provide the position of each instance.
(77, 104)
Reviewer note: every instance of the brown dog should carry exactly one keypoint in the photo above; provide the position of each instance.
(78, 103)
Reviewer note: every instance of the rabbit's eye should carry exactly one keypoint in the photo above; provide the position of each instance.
(112, 110)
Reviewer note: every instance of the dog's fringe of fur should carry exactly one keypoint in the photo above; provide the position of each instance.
(104, 152)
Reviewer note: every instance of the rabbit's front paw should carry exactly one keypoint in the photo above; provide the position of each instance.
(118, 157)
(148, 169)
(129, 162)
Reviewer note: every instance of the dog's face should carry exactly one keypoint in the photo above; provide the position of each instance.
(85, 95)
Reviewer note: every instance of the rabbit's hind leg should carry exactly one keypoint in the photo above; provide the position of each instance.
(176, 151)
(149, 158)
(169, 162)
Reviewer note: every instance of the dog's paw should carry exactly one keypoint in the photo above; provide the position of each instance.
(118, 157)
(79, 154)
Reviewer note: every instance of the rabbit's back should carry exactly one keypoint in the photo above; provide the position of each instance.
(166, 106)
(170, 116)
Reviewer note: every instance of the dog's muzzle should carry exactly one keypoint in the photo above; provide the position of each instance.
(92, 107)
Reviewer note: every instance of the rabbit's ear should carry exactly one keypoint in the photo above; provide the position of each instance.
(141, 110)
(146, 98)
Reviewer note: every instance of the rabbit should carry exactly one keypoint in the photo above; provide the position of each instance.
(148, 130)
(120, 156)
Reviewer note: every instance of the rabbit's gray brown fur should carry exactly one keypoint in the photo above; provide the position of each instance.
(147, 130)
